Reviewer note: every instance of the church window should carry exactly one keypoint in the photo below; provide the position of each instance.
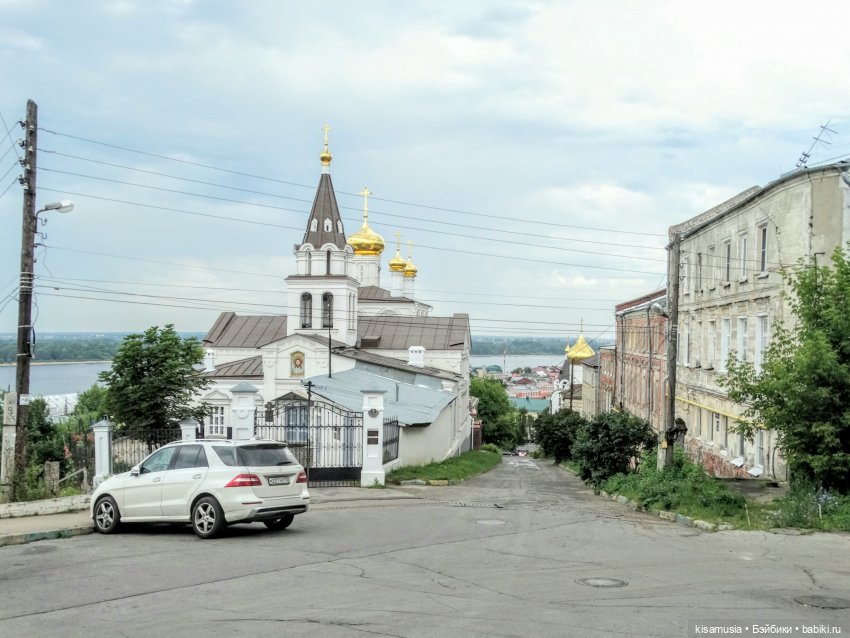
(309, 262)
(314, 225)
(328, 225)
(328, 263)
(306, 310)
(327, 310)
(339, 226)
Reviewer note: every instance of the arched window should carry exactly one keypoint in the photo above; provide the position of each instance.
(339, 226)
(306, 310)
(309, 262)
(328, 225)
(314, 225)
(328, 263)
(327, 310)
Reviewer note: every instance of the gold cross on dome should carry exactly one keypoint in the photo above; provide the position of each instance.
(365, 192)
(326, 128)
(410, 249)
(398, 241)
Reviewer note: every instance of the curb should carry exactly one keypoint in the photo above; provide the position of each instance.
(673, 517)
(30, 537)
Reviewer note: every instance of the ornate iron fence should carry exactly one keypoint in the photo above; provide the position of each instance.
(325, 438)
(130, 447)
(391, 436)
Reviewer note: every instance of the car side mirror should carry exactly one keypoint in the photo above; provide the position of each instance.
(134, 471)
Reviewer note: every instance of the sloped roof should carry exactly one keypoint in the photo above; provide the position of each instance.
(376, 293)
(412, 404)
(432, 333)
(252, 367)
(373, 358)
(233, 331)
(325, 207)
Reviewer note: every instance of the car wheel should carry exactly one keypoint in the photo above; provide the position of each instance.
(207, 517)
(280, 523)
(106, 515)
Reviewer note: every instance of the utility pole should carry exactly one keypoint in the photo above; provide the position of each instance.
(665, 459)
(22, 370)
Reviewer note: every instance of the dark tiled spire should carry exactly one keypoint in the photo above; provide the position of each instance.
(324, 226)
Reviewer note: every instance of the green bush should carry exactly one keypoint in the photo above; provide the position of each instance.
(609, 443)
(491, 447)
(556, 433)
(810, 508)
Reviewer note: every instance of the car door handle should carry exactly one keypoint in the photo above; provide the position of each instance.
(156, 480)
(197, 476)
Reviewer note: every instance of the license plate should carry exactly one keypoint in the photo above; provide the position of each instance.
(278, 480)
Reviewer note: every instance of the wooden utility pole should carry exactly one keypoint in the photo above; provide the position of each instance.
(670, 430)
(22, 369)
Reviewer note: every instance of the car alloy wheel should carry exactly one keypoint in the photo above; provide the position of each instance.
(207, 517)
(106, 516)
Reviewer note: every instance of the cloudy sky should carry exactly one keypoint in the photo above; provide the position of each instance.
(535, 152)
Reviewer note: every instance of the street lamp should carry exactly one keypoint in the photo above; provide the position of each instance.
(22, 364)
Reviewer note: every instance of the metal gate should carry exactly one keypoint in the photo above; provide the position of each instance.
(325, 438)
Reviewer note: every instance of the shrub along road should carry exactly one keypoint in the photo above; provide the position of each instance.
(507, 553)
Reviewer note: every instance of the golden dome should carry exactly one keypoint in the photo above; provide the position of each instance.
(366, 241)
(409, 269)
(580, 351)
(398, 262)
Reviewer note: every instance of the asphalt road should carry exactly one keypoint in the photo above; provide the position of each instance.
(505, 554)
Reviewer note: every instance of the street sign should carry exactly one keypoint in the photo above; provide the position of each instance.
(25, 399)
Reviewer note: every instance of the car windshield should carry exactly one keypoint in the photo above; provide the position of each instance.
(264, 455)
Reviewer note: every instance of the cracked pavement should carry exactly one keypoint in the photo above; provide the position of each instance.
(499, 555)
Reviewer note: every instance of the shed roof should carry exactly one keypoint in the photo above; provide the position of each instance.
(432, 333)
(412, 404)
(252, 368)
(233, 331)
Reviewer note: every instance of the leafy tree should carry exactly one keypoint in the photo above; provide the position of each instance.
(92, 402)
(495, 411)
(44, 443)
(555, 433)
(802, 391)
(153, 380)
(609, 443)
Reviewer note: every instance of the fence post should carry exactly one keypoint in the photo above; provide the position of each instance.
(188, 429)
(102, 451)
(373, 437)
(7, 462)
(243, 410)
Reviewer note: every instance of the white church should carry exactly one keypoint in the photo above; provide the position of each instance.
(344, 333)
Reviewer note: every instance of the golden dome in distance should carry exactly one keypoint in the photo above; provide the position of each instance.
(325, 155)
(398, 262)
(581, 349)
(366, 241)
(409, 269)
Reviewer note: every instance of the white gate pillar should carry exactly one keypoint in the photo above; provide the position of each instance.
(188, 429)
(242, 409)
(7, 462)
(102, 451)
(373, 437)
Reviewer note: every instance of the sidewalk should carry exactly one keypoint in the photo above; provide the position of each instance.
(27, 529)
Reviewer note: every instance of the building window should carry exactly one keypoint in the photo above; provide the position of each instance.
(327, 310)
(339, 226)
(686, 279)
(328, 262)
(761, 342)
(763, 249)
(725, 338)
(742, 339)
(314, 225)
(709, 353)
(215, 421)
(328, 225)
(306, 310)
(727, 261)
(712, 266)
(687, 343)
(742, 254)
(310, 261)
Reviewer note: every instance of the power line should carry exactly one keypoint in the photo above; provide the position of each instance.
(392, 201)
(9, 135)
(6, 190)
(358, 210)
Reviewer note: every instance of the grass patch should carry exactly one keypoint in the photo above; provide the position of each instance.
(456, 468)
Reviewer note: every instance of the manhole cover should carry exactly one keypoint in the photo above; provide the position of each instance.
(601, 582)
(491, 521)
(823, 602)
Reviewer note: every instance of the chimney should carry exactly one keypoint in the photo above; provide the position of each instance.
(209, 360)
(416, 356)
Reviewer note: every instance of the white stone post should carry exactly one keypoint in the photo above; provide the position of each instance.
(373, 437)
(188, 428)
(242, 409)
(102, 451)
(7, 462)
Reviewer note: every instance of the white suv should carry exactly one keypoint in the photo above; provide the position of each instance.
(208, 483)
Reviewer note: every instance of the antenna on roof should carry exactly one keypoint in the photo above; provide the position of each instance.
(824, 129)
